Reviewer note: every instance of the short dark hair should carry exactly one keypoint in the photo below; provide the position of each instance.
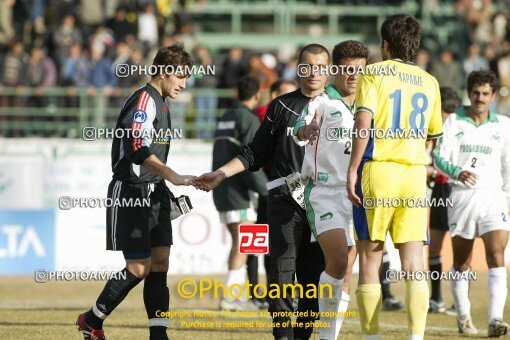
(173, 55)
(247, 87)
(482, 77)
(275, 87)
(403, 33)
(349, 49)
(450, 100)
(313, 49)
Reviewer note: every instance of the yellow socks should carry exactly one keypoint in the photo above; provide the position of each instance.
(369, 297)
(417, 305)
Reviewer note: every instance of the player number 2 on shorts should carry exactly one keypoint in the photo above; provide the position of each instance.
(419, 102)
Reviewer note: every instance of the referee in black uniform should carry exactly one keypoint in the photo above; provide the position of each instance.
(143, 234)
(292, 253)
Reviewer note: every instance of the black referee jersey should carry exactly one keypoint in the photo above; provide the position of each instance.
(273, 140)
(145, 124)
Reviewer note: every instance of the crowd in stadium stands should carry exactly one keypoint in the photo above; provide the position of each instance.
(77, 44)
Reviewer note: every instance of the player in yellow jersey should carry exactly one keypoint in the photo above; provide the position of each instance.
(387, 170)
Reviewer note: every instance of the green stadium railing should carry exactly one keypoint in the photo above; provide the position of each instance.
(54, 119)
(267, 24)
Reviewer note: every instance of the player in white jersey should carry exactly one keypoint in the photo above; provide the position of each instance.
(475, 152)
(326, 123)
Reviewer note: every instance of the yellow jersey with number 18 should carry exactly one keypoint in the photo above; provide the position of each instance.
(405, 105)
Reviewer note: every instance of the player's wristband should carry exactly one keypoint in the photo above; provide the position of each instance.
(179, 206)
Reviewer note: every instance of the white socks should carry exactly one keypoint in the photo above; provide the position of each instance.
(334, 306)
(460, 293)
(497, 292)
(236, 276)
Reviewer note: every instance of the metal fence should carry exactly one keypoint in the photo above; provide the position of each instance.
(64, 112)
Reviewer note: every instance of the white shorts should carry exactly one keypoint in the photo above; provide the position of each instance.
(476, 212)
(328, 208)
(236, 216)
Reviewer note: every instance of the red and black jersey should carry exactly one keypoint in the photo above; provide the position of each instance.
(143, 129)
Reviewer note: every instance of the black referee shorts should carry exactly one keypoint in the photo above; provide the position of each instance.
(439, 215)
(138, 228)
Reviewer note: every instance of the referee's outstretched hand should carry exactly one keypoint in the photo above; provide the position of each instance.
(209, 181)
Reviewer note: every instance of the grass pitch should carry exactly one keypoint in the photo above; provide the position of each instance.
(30, 310)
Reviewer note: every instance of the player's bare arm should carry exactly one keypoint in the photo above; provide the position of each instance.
(362, 122)
(211, 180)
(154, 165)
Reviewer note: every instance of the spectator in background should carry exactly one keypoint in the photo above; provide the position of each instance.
(448, 71)
(269, 65)
(148, 27)
(63, 8)
(12, 72)
(289, 70)
(499, 63)
(262, 68)
(20, 15)
(40, 72)
(278, 88)
(478, 14)
(6, 26)
(182, 21)
(423, 59)
(102, 36)
(91, 14)
(122, 54)
(500, 26)
(474, 61)
(75, 73)
(66, 35)
(130, 56)
(138, 57)
(232, 69)
(489, 53)
(120, 26)
(103, 78)
(36, 24)
(101, 74)
(206, 101)
(504, 68)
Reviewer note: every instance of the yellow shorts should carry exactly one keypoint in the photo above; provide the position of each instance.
(391, 193)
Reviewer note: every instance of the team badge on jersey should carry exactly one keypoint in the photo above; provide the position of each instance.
(140, 117)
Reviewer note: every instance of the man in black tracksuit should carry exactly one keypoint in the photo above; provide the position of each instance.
(234, 200)
(292, 253)
(236, 128)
